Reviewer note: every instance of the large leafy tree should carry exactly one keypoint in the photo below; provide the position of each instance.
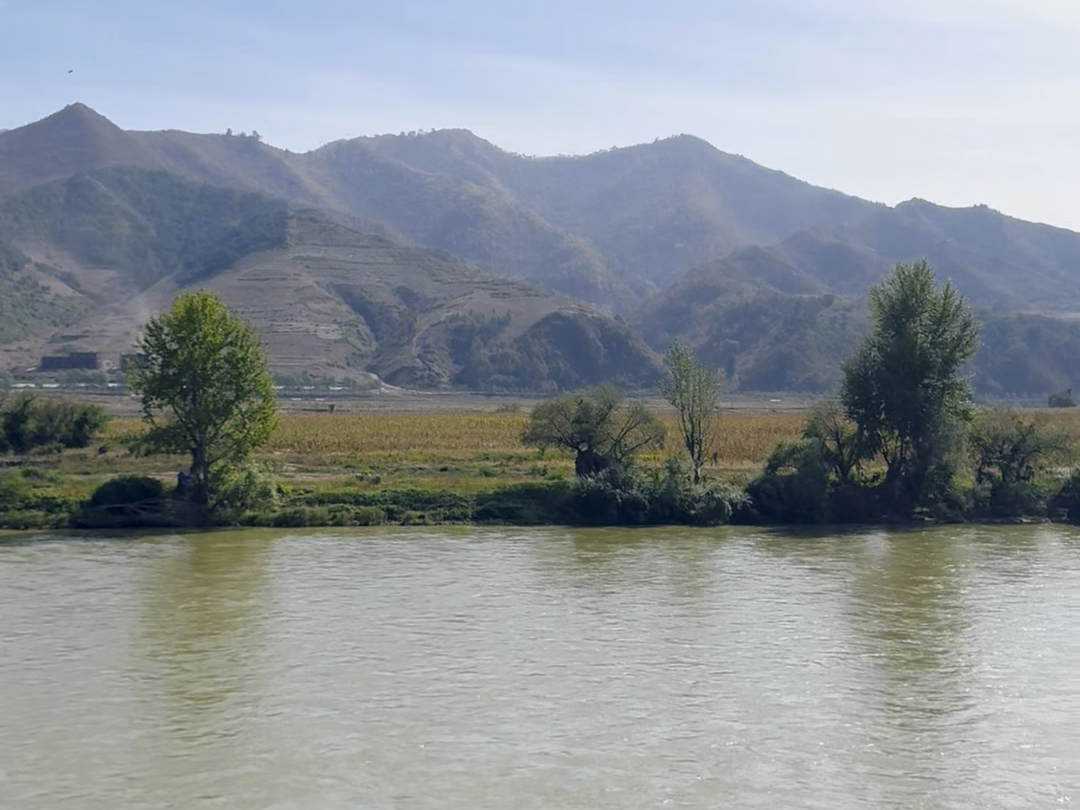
(205, 385)
(692, 391)
(597, 425)
(904, 387)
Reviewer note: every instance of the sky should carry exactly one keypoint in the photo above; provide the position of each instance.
(960, 102)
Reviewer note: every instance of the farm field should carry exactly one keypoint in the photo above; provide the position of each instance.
(463, 445)
(465, 451)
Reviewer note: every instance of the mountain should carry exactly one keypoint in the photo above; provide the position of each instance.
(117, 244)
(437, 259)
(652, 211)
(70, 141)
(611, 228)
(608, 228)
(772, 341)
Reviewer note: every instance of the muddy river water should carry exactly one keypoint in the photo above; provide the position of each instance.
(541, 668)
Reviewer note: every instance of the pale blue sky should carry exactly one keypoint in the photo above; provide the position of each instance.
(956, 101)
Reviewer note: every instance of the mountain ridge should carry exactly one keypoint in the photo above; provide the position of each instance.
(681, 239)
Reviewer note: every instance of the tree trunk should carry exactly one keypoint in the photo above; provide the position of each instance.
(200, 471)
(589, 462)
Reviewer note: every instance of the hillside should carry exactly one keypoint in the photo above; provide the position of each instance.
(438, 260)
(327, 300)
(772, 341)
(608, 228)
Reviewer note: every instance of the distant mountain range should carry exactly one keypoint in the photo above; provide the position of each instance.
(439, 260)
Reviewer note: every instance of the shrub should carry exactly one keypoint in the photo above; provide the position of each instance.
(395, 504)
(299, 516)
(525, 505)
(29, 423)
(1067, 500)
(1008, 499)
(15, 490)
(620, 496)
(675, 498)
(248, 487)
(794, 486)
(1062, 399)
(611, 497)
(711, 503)
(1009, 451)
(368, 516)
(127, 489)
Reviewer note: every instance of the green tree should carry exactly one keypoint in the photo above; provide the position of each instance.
(597, 425)
(205, 385)
(837, 439)
(692, 391)
(1009, 448)
(1010, 451)
(904, 388)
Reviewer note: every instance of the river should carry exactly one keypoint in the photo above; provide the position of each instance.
(554, 668)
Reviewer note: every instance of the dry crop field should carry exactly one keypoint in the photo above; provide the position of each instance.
(475, 450)
(458, 449)
(463, 451)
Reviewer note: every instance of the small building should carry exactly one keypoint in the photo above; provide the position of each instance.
(66, 362)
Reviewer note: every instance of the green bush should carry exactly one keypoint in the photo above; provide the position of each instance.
(29, 423)
(15, 491)
(1010, 499)
(299, 516)
(620, 496)
(525, 505)
(1062, 399)
(711, 504)
(1066, 503)
(368, 516)
(341, 515)
(127, 489)
(248, 487)
(794, 486)
(611, 497)
(674, 497)
(440, 507)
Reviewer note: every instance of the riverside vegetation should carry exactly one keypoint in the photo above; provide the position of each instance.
(348, 469)
(901, 441)
(353, 469)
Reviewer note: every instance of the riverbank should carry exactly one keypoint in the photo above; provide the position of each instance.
(446, 464)
(443, 465)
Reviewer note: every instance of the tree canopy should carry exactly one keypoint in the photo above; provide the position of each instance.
(205, 385)
(598, 425)
(904, 388)
(692, 391)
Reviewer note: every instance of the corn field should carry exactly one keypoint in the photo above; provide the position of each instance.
(745, 439)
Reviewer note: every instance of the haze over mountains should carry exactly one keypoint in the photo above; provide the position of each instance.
(438, 260)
